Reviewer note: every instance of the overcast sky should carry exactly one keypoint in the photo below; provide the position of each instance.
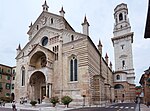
(16, 16)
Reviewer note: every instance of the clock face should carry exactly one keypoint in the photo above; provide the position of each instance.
(44, 19)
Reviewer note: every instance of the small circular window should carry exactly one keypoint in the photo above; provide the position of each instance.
(44, 40)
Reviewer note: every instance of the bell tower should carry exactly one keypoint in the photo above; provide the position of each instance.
(122, 42)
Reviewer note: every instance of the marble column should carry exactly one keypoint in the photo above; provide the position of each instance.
(50, 90)
(46, 90)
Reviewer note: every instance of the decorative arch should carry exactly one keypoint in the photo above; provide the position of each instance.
(120, 16)
(118, 86)
(38, 60)
(52, 20)
(73, 65)
(72, 38)
(37, 82)
(118, 77)
(123, 63)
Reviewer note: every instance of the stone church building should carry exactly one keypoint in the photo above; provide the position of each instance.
(59, 61)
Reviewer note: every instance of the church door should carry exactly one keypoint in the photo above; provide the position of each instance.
(38, 83)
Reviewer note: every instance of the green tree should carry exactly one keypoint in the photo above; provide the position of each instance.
(54, 100)
(66, 100)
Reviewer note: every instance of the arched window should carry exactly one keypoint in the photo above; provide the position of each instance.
(72, 38)
(73, 69)
(23, 76)
(123, 95)
(120, 17)
(118, 86)
(57, 48)
(123, 63)
(118, 77)
(37, 27)
(121, 26)
(52, 21)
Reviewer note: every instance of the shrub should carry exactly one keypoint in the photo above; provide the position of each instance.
(33, 103)
(54, 100)
(66, 100)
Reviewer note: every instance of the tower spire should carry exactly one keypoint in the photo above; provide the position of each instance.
(106, 58)
(45, 6)
(110, 65)
(62, 12)
(100, 46)
(85, 21)
(30, 25)
(85, 26)
(18, 49)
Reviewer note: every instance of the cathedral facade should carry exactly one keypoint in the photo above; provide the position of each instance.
(59, 61)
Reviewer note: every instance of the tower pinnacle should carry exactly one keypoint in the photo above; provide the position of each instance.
(100, 46)
(62, 12)
(85, 26)
(45, 6)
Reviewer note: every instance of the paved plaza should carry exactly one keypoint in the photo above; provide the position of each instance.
(38, 107)
(48, 107)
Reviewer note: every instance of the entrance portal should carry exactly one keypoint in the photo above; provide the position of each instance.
(43, 91)
(37, 86)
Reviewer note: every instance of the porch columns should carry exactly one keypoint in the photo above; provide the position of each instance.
(48, 90)
(32, 92)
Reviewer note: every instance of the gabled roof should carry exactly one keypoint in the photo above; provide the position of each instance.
(67, 25)
(41, 47)
(31, 41)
